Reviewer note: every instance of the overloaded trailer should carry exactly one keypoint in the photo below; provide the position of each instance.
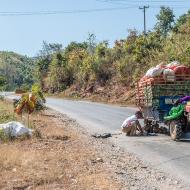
(156, 96)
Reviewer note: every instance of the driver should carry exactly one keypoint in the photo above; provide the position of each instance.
(131, 124)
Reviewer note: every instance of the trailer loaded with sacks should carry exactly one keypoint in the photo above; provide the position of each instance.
(163, 95)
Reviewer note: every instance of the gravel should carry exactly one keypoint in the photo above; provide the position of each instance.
(131, 171)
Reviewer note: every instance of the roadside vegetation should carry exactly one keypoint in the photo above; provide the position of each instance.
(6, 112)
(55, 157)
(96, 70)
(21, 110)
(60, 155)
(92, 68)
(16, 71)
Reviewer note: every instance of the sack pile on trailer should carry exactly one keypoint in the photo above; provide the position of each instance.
(163, 80)
(170, 72)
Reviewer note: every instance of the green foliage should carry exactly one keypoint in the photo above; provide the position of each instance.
(89, 62)
(74, 46)
(3, 82)
(30, 102)
(15, 70)
(5, 116)
(165, 20)
(91, 43)
(3, 136)
(181, 21)
(37, 92)
(44, 59)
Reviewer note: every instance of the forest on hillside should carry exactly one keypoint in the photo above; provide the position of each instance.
(91, 67)
(15, 71)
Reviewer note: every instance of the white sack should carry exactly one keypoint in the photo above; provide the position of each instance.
(15, 129)
(173, 64)
(154, 72)
(169, 75)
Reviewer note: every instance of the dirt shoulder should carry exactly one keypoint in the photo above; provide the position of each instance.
(60, 158)
(63, 156)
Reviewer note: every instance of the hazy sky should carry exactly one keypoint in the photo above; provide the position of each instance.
(24, 34)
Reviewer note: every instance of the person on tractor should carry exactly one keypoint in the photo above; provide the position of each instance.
(131, 124)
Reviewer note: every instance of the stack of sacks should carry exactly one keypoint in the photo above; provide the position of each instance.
(167, 72)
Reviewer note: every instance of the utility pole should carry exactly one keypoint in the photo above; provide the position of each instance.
(144, 11)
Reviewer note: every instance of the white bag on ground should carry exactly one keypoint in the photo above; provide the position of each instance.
(15, 129)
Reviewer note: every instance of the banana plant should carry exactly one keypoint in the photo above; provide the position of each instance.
(26, 104)
(30, 102)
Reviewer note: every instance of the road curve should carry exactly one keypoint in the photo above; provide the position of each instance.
(99, 117)
(159, 151)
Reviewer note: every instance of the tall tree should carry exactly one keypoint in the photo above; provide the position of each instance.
(44, 59)
(181, 20)
(91, 41)
(165, 20)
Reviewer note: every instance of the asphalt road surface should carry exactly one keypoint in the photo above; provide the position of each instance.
(158, 151)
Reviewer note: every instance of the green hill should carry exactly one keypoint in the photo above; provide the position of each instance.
(15, 71)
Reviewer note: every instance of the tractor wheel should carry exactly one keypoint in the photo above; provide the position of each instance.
(175, 131)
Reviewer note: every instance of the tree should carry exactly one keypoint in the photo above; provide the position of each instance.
(165, 20)
(25, 73)
(2, 82)
(44, 59)
(91, 41)
(181, 20)
(73, 46)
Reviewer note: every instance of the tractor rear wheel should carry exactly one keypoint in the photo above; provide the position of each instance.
(175, 131)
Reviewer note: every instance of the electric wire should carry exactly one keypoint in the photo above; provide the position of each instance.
(62, 12)
(127, 6)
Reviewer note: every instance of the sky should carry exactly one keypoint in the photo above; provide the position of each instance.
(24, 34)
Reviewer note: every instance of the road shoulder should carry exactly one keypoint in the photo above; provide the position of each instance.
(63, 155)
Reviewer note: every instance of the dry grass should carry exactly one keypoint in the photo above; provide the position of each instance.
(60, 159)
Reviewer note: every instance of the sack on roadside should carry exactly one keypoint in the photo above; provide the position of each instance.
(15, 129)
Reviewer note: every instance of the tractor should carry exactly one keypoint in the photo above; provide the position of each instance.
(156, 98)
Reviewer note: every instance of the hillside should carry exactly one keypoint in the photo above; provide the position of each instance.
(94, 70)
(15, 71)
(97, 71)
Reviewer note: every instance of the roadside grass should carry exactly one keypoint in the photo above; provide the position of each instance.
(56, 157)
(6, 112)
(7, 115)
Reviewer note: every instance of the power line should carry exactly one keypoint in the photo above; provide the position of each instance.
(154, 3)
(145, 1)
(62, 12)
(123, 2)
(127, 6)
(174, 7)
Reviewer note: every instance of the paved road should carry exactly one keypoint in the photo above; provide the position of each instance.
(161, 152)
(99, 117)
